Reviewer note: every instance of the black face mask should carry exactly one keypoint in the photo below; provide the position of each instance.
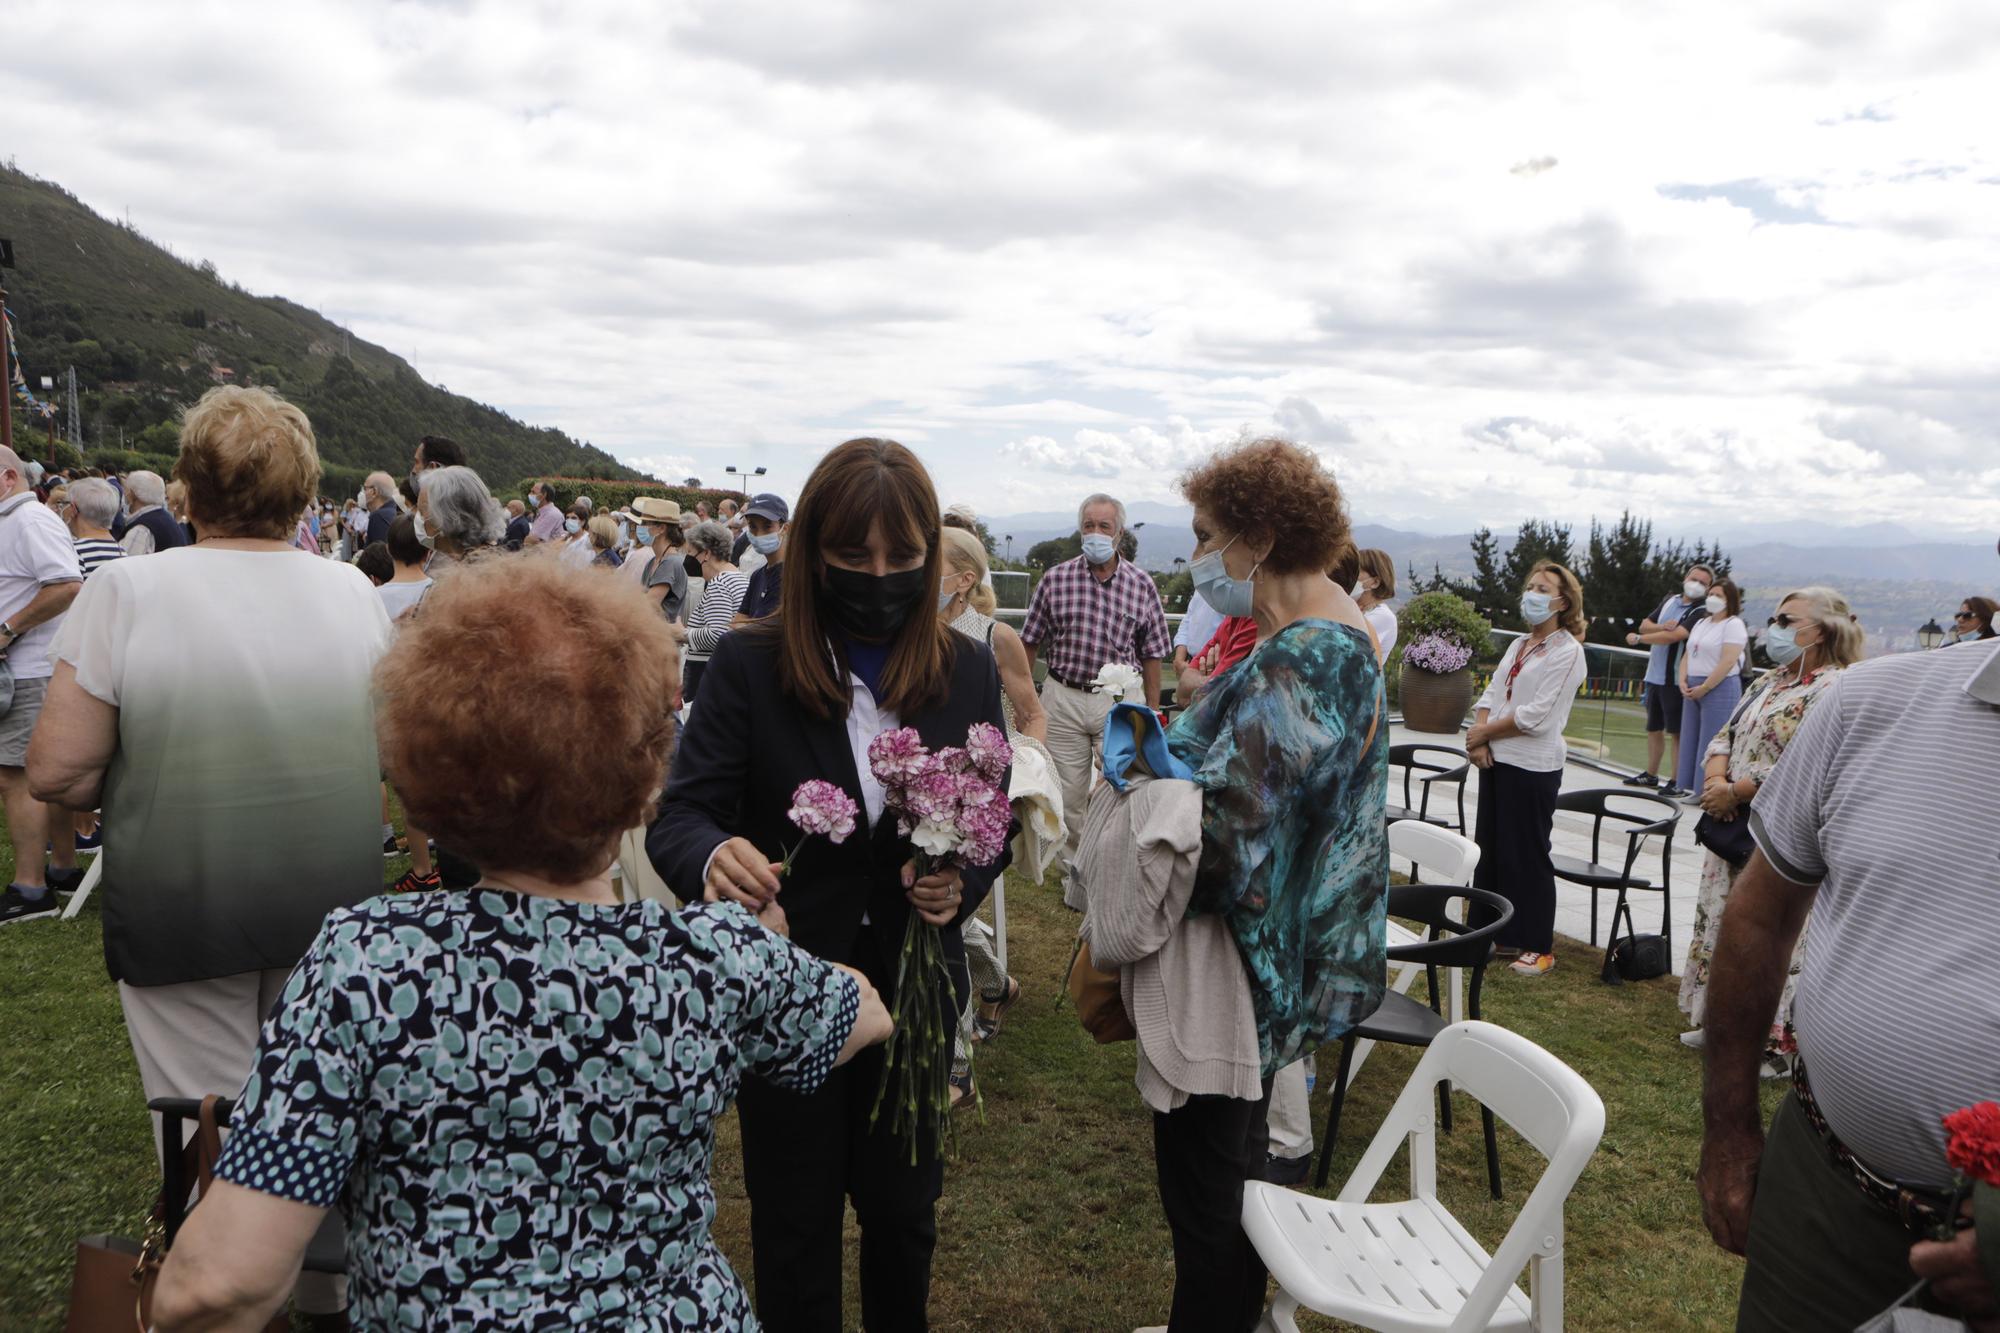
(872, 607)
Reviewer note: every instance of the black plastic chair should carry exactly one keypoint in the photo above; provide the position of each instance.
(1597, 875)
(1427, 766)
(325, 1253)
(1401, 1021)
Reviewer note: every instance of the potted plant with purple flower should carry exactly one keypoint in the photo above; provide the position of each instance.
(953, 807)
(1440, 634)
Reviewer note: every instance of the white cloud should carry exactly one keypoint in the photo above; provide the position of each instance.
(1048, 243)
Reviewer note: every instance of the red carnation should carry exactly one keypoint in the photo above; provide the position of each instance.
(1972, 1142)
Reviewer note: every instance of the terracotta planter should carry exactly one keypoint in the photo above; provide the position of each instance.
(1434, 701)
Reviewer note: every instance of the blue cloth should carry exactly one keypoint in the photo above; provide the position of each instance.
(1660, 661)
(868, 661)
(1294, 850)
(1700, 720)
(513, 1101)
(1122, 749)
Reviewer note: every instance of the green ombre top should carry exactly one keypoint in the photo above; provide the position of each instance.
(241, 805)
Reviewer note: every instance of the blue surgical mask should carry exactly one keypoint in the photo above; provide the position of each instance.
(534, 501)
(1781, 644)
(572, 526)
(1231, 597)
(1537, 607)
(945, 598)
(766, 544)
(1098, 548)
(643, 535)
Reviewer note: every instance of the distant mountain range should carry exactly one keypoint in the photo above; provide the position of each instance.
(1894, 581)
(148, 332)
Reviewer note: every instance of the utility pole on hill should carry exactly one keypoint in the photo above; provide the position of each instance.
(6, 351)
(75, 417)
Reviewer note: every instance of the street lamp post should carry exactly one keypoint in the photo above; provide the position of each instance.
(736, 471)
(1930, 635)
(1010, 548)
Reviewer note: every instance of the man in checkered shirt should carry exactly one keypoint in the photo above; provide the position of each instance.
(1088, 613)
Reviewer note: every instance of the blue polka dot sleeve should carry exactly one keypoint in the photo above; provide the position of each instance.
(798, 1009)
(295, 1129)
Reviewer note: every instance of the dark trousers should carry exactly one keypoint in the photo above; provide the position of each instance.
(803, 1158)
(1821, 1255)
(1202, 1153)
(1517, 809)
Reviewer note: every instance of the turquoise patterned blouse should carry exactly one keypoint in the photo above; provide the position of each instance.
(513, 1101)
(1294, 851)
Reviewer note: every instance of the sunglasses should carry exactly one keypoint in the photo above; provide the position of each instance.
(1789, 622)
(1964, 615)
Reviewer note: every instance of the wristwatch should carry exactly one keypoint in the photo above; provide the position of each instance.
(8, 630)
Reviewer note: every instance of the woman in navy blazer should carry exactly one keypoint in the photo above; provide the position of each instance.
(855, 651)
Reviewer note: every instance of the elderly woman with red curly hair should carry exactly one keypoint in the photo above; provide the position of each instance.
(1290, 753)
(511, 1090)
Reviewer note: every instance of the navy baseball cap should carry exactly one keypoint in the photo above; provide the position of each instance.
(769, 506)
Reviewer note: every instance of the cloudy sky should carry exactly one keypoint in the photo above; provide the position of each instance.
(1729, 263)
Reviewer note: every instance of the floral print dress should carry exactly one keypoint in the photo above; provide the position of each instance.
(513, 1101)
(1294, 850)
(1754, 740)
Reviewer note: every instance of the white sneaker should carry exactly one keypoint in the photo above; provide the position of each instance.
(1694, 1038)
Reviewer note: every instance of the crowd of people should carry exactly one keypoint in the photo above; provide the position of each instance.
(503, 1075)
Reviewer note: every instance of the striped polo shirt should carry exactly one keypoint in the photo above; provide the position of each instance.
(1889, 799)
(94, 551)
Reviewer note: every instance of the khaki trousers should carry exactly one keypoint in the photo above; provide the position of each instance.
(1076, 740)
(1291, 1111)
(199, 1037)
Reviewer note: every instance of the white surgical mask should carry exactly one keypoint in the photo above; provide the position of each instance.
(1098, 548)
(534, 501)
(1781, 644)
(1230, 596)
(1358, 590)
(1716, 605)
(1537, 607)
(425, 537)
(1694, 590)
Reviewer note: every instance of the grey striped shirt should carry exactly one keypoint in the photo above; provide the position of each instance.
(1889, 799)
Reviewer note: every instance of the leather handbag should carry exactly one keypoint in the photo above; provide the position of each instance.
(1727, 838)
(1094, 992)
(111, 1288)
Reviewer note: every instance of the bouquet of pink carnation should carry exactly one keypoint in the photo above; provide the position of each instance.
(953, 807)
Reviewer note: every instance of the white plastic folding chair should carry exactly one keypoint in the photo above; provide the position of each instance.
(89, 882)
(1410, 1265)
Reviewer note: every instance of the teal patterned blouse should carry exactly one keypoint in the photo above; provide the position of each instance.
(513, 1100)
(1294, 851)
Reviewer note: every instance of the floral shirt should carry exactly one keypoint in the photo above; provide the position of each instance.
(1294, 850)
(1764, 724)
(513, 1101)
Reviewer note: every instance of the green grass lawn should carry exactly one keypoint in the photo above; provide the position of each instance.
(1610, 729)
(1049, 1219)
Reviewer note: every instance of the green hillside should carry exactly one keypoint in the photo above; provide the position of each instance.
(149, 332)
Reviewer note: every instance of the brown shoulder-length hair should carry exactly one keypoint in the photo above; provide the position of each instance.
(855, 485)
